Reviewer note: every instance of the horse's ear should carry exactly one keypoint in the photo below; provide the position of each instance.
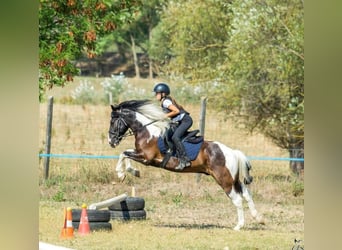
(114, 107)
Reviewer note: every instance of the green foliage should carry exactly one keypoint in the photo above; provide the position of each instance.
(266, 69)
(177, 199)
(54, 181)
(190, 38)
(252, 51)
(298, 188)
(68, 28)
(59, 196)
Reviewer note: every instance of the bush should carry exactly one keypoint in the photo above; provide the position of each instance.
(84, 93)
(118, 87)
(114, 87)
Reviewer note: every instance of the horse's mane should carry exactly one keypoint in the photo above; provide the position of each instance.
(149, 110)
(133, 105)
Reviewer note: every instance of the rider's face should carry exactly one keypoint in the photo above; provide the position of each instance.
(158, 96)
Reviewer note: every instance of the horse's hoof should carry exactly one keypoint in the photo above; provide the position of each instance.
(260, 220)
(248, 180)
(136, 173)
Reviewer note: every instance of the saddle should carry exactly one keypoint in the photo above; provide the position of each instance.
(192, 137)
(191, 141)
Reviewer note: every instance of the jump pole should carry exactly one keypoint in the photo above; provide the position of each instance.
(107, 203)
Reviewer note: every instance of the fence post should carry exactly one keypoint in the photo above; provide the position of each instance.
(202, 125)
(110, 98)
(48, 136)
(202, 115)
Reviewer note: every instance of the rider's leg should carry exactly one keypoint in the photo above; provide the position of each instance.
(184, 161)
(168, 141)
(183, 126)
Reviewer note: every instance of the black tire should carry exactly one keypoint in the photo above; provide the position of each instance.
(95, 226)
(128, 215)
(93, 215)
(129, 204)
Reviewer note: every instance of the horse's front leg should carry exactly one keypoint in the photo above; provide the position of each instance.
(137, 156)
(124, 159)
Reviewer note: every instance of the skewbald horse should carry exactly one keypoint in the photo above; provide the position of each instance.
(143, 119)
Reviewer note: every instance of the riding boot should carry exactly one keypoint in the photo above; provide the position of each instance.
(184, 160)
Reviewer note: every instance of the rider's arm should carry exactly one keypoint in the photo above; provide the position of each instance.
(173, 111)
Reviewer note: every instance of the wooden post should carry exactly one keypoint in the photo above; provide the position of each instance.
(202, 115)
(48, 136)
(202, 125)
(110, 98)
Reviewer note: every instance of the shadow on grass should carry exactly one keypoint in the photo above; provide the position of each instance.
(254, 227)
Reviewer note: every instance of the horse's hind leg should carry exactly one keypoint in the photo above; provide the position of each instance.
(248, 197)
(237, 201)
(225, 180)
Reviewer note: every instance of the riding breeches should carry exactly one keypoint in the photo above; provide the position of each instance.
(182, 127)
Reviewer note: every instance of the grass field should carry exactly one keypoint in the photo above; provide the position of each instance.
(181, 212)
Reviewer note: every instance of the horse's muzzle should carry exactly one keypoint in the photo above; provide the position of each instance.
(113, 145)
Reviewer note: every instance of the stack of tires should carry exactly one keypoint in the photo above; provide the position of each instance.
(132, 208)
(98, 219)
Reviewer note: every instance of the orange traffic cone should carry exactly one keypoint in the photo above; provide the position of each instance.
(84, 227)
(67, 230)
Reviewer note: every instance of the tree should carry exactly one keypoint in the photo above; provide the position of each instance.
(68, 28)
(253, 51)
(189, 40)
(266, 71)
(137, 34)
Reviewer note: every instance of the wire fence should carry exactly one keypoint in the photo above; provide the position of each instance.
(80, 132)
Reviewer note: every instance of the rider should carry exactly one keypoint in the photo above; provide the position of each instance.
(179, 116)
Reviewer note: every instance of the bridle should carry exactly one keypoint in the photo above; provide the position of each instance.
(129, 132)
(116, 132)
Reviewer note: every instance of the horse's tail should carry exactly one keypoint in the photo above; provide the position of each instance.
(244, 167)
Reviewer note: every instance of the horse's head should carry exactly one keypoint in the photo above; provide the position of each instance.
(118, 126)
(135, 115)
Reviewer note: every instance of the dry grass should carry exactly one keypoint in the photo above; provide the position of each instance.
(181, 213)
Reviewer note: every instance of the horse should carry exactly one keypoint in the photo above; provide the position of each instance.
(147, 123)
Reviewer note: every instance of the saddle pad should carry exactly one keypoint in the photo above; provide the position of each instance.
(191, 149)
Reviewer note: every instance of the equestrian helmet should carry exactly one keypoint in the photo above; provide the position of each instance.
(162, 88)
